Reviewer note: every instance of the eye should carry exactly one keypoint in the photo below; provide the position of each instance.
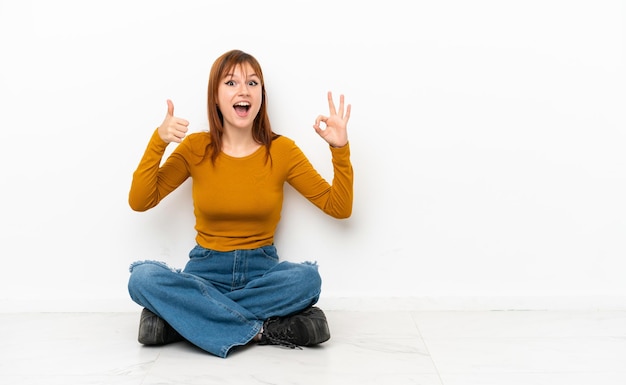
(229, 83)
(253, 83)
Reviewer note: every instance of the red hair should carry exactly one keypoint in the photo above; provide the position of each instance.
(261, 127)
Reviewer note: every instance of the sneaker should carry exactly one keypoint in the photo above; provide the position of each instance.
(153, 330)
(303, 329)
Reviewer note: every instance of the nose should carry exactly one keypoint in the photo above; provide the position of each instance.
(243, 89)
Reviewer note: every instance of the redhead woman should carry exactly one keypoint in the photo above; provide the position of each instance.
(234, 289)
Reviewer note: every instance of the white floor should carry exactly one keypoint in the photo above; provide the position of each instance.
(393, 348)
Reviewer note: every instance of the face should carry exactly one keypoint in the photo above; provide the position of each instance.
(239, 97)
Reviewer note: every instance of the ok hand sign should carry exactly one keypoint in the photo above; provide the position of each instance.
(336, 130)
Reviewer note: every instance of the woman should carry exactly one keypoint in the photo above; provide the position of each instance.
(234, 290)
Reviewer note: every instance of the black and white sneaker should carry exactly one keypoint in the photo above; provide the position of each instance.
(307, 328)
(153, 330)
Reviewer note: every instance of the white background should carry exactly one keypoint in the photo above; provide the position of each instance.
(488, 142)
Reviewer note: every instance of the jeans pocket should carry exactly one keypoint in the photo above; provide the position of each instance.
(200, 253)
(269, 252)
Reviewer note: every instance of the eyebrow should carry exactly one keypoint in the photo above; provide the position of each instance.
(232, 75)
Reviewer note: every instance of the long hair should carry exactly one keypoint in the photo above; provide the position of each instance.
(261, 128)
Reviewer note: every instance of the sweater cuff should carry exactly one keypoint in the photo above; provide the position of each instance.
(341, 151)
(156, 140)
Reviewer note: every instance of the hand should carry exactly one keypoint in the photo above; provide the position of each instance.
(336, 130)
(172, 129)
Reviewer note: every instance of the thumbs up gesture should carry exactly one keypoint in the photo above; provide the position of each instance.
(172, 129)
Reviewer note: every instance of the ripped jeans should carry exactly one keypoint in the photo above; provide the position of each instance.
(221, 299)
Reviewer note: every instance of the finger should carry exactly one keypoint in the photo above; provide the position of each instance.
(179, 135)
(319, 119)
(170, 108)
(318, 129)
(346, 117)
(182, 122)
(341, 99)
(331, 104)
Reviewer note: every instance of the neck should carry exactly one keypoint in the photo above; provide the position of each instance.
(238, 143)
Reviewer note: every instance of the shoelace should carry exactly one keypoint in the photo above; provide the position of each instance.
(280, 337)
(281, 342)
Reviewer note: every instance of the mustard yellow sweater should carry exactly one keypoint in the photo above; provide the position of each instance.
(238, 201)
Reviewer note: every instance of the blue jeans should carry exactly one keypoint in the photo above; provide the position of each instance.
(220, 299)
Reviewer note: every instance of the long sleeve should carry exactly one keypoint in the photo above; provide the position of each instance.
(237, 202)
(334, 199)
(151, 182)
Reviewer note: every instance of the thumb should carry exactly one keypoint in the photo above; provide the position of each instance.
(170, 108)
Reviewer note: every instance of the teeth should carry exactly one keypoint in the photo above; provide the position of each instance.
(242, 104)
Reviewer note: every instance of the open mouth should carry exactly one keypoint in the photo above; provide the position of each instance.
(242, 108)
